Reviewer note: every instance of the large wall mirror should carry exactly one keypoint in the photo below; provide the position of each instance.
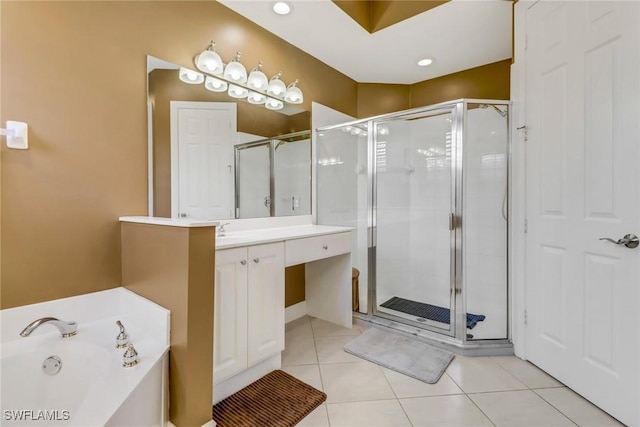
(193, 135)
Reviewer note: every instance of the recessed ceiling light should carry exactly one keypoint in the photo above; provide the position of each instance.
(281, 8)
(426, 61)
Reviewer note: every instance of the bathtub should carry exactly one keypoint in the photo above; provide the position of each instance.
(92, 388)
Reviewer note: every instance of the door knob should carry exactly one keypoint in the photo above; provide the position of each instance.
(256, 260)
(183, 215)
(630, 240)
(243, 262)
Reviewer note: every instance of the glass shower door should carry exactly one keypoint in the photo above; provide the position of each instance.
(415, 200)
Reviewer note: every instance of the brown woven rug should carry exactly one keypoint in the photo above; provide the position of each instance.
(277, 400)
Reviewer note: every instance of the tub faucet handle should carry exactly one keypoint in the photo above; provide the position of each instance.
(123, 338)
(130, 357)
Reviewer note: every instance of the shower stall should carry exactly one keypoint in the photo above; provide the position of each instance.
(426, 191)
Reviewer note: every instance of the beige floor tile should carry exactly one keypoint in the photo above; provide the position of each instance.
(405, 386)
(309, 374)
(382, 413)
(527, 373)
(354, 382)
(317, 418)
(519, 408)
(322, 328)
(481, 374)
(578, 409)
(457, 410)
(299, 351)
(331, 350)
(299, 328)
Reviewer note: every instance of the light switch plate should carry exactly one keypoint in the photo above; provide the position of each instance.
(20, 138)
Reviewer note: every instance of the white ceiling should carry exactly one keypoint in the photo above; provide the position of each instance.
(459, 35)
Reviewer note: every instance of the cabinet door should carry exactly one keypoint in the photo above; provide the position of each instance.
(230, 313)
(266, 301)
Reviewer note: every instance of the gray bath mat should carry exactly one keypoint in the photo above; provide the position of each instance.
(416, 359)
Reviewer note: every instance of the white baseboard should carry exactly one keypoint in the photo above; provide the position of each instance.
(295, 311)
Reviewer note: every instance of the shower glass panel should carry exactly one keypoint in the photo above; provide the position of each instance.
(415, 200)
(485, 218)
(426, 191)
(343, 191)
(292, 178)
(253, 180)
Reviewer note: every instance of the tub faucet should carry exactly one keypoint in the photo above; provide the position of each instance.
(67, 329)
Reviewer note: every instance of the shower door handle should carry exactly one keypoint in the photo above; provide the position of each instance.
(452, 221)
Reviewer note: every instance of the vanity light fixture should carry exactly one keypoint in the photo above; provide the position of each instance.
(281, 8)
(209, 61)
(215, 85)
(293, 94)
(274, 104)
(256, 98)
(276, 86)
(233, 78)
(257, 79)
(425, 61)
(236, 91)
(190, 76)
(235, 71)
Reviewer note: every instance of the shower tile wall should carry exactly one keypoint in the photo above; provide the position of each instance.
(485, 229)
(341, 159)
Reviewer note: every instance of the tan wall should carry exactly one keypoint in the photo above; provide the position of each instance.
(294, 283)
(76, 73)
(378, 98)
(486, 82)
(374, 15)
(165, 86)
(490, 81)
(174, 266)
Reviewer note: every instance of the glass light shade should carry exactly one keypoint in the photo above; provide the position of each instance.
(235, 72)
(257, 79)
(256, 98)
(209, 62)
(276, 87)
(274, 104)
(215, 85)
(190, 76)
(293, 95)
(237, 91)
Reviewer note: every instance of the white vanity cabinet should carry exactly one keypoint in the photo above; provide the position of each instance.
(248, 307)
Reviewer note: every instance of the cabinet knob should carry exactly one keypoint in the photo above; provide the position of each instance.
(256, 260)
(325, 247)
(243, 262)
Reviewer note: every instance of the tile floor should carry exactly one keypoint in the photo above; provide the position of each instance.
(474, 391)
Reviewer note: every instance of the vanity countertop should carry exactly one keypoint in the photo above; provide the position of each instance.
(279, 234)
(171, 222)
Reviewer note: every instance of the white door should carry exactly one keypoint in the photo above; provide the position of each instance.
(202, 138)
(266, 301)
(583, 151)
(230, 313)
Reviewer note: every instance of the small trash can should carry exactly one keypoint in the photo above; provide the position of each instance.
(355, 295)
